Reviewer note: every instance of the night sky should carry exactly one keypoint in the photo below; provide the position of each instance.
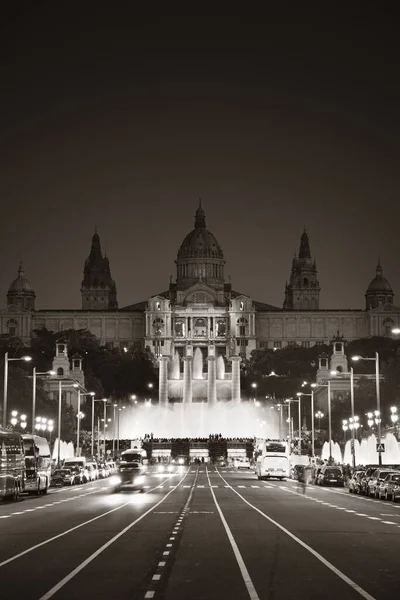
(123, 121)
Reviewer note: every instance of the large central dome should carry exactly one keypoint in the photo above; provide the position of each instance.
(200, 257)
(200, 243)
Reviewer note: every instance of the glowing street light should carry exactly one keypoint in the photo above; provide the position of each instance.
(319, 415)
(17, 419)
(394, 417)
(378, 398)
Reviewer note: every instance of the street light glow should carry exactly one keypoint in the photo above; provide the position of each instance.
(26, 358)
(356, 357)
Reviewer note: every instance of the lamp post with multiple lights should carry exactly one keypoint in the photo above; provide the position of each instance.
(17, 419)
(35, 374)
(93, 401)
(328, 386)
(6, 361)
(378, 401)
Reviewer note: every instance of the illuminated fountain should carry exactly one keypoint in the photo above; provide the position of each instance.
(198, 402)
(365, 452)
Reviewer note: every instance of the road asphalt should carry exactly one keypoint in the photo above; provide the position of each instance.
(200, 534)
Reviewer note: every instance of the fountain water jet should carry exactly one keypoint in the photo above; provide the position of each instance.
(220, 368)
(198, 364)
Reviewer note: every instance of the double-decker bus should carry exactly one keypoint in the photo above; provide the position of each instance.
(272, 460)
(12, 465)
(37, 464)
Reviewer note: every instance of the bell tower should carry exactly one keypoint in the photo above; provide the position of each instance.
(61, 365)
(302, 291)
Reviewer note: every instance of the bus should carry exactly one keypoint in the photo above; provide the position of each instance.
(37, 464)
(272, 460)
(12, 465)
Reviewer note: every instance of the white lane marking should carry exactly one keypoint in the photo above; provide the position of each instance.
(149, 595)
(255, 486)
(374, 518)
(361, 515)
(389, 522)
(165, 553)
(156, 577)
(317, 555)
(90, 558)
(67, 531)
(162, 563)
(241, 486)
(243, 569)
(5, 516)
(200, 486)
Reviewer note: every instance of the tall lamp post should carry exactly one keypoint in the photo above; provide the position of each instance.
(299, 395)
(394, 417)
(35, 374)
(80, 416)
(352, 419)
(378, 400)
(60, 389)
(290, 421)
(93, 401)
(119, 410)
(311, 395)
(6, 361)
(328, 386)
(319, 415)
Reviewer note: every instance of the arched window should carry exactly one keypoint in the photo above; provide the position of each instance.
(221, 327)
(305, 281)
(95, 282)
(339, 369)
(60, 372)
(241, 306)
(338, 347)
(388, 325)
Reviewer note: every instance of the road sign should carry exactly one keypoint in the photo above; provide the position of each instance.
(380, 447)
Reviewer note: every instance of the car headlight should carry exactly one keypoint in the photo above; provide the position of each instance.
(115, 480)
(181, 461)
(139, 480)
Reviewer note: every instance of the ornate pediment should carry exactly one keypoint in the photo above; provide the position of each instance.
(200, 293)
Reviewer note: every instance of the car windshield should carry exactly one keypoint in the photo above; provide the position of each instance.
(131, 457)
(333, 472)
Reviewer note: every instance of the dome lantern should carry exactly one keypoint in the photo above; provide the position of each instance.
(20, 292)
(379, 291)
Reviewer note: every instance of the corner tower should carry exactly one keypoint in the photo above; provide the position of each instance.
(302, 291)
(20, 292)
(98, 289)
(200, 257)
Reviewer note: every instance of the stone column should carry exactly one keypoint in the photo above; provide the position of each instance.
(236, 378)
(188, 375)
(212, 377)
(163, 381)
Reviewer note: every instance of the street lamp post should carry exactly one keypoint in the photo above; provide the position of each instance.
(394, 417)
(119, 410)
(328, 386)
(352, 419)
(6, 361)
(79, 416)
(35, 374)
(319, 415)
(311, 395)
(378, 400)
(93, 401)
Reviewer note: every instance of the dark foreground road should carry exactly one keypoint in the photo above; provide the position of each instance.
(200, 534)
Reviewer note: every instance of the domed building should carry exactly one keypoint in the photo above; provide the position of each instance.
(379, 291)
(20, 292)
(200, 320)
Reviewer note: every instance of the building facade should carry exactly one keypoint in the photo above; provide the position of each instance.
(201, 309)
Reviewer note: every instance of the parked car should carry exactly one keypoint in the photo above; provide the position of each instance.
(355, 482)
(62, 477)
(330, 475)
(377, 477)
(388, 485)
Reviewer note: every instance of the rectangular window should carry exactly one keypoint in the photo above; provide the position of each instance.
(305, 344)
(319, 343)
(263, 344)
(292, 344)
(278, 344)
